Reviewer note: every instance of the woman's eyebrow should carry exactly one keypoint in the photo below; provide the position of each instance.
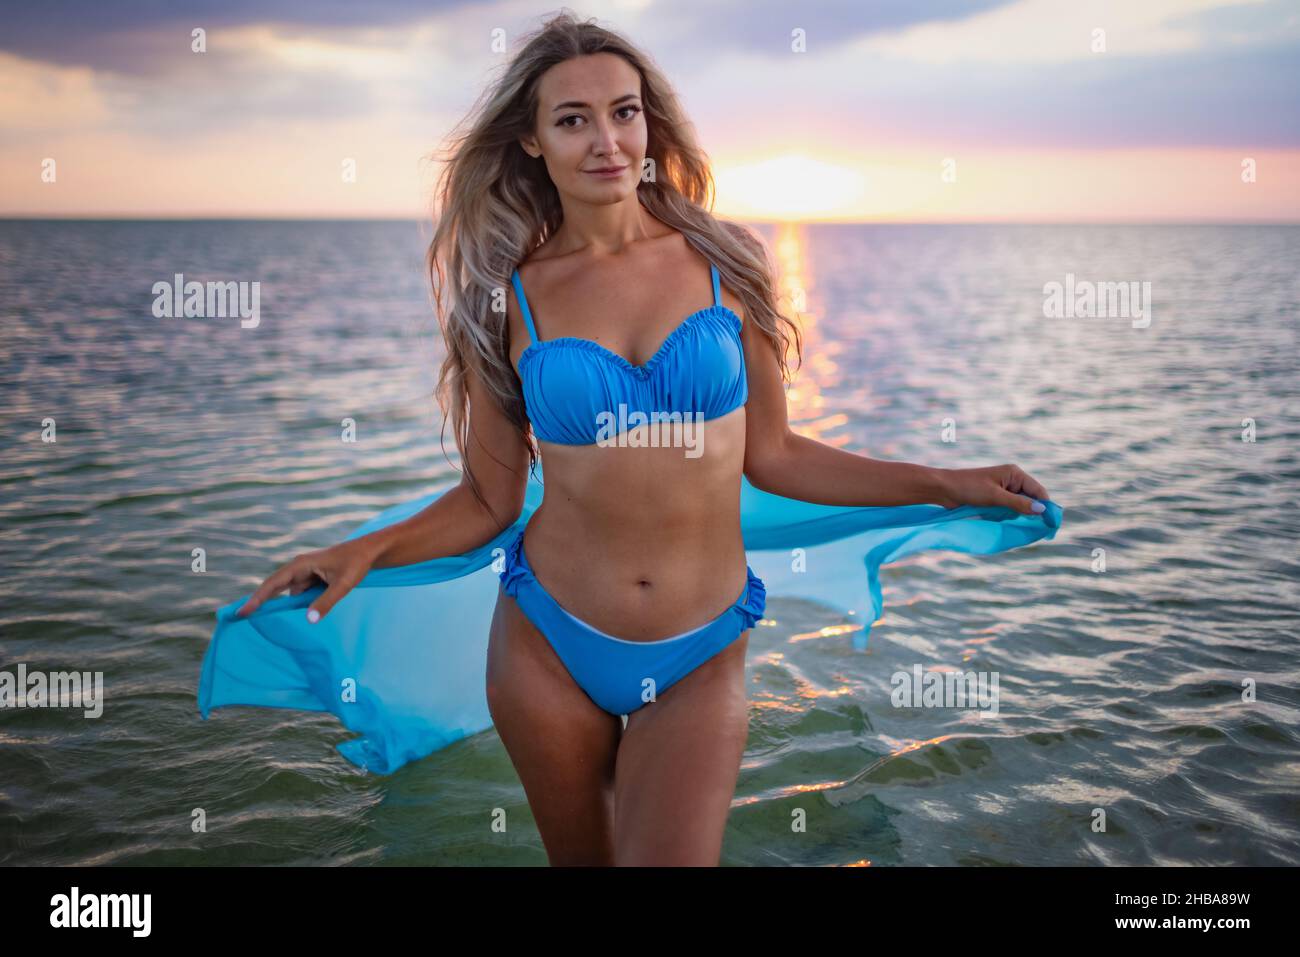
(586, 106)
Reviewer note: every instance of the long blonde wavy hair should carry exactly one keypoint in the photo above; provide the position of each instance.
(495, 204)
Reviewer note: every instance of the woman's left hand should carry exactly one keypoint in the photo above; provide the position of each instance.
(995, 485)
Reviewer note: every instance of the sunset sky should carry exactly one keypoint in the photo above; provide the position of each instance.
(860, 126)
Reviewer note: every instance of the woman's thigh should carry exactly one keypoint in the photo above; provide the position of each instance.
(562, 746)
(678, 763)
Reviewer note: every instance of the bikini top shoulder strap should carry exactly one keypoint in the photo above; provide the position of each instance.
(523, 305)
(717, 292)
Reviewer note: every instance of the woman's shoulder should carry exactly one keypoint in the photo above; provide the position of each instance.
(546, 268)
(535, 260)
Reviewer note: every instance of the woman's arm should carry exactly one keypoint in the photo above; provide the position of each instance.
(782, 462)
(457, 521)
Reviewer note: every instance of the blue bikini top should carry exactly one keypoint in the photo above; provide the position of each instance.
(568, 382)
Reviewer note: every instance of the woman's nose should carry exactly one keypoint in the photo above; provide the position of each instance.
(606, 139)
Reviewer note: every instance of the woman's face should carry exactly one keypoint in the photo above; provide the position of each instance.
(590, 118)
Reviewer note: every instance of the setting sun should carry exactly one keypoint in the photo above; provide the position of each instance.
(791, 187)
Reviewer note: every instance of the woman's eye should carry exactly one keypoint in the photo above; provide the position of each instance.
(564, 120)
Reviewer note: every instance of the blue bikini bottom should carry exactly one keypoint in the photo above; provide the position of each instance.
(621, 676)
(401, 660)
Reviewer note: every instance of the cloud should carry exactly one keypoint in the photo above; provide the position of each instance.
(1239, 87)
(264, 118)
(152, 36)
(147, 36)
(766, 25)
(249, 77)
(1056, 31)
(35, 97)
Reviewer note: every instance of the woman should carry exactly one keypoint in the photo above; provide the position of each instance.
(616, 654)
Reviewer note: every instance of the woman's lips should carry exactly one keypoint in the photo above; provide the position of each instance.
(607, 173)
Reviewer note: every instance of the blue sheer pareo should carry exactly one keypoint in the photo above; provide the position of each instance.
(402, 658)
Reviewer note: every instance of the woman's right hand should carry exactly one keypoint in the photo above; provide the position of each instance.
(338, 567)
